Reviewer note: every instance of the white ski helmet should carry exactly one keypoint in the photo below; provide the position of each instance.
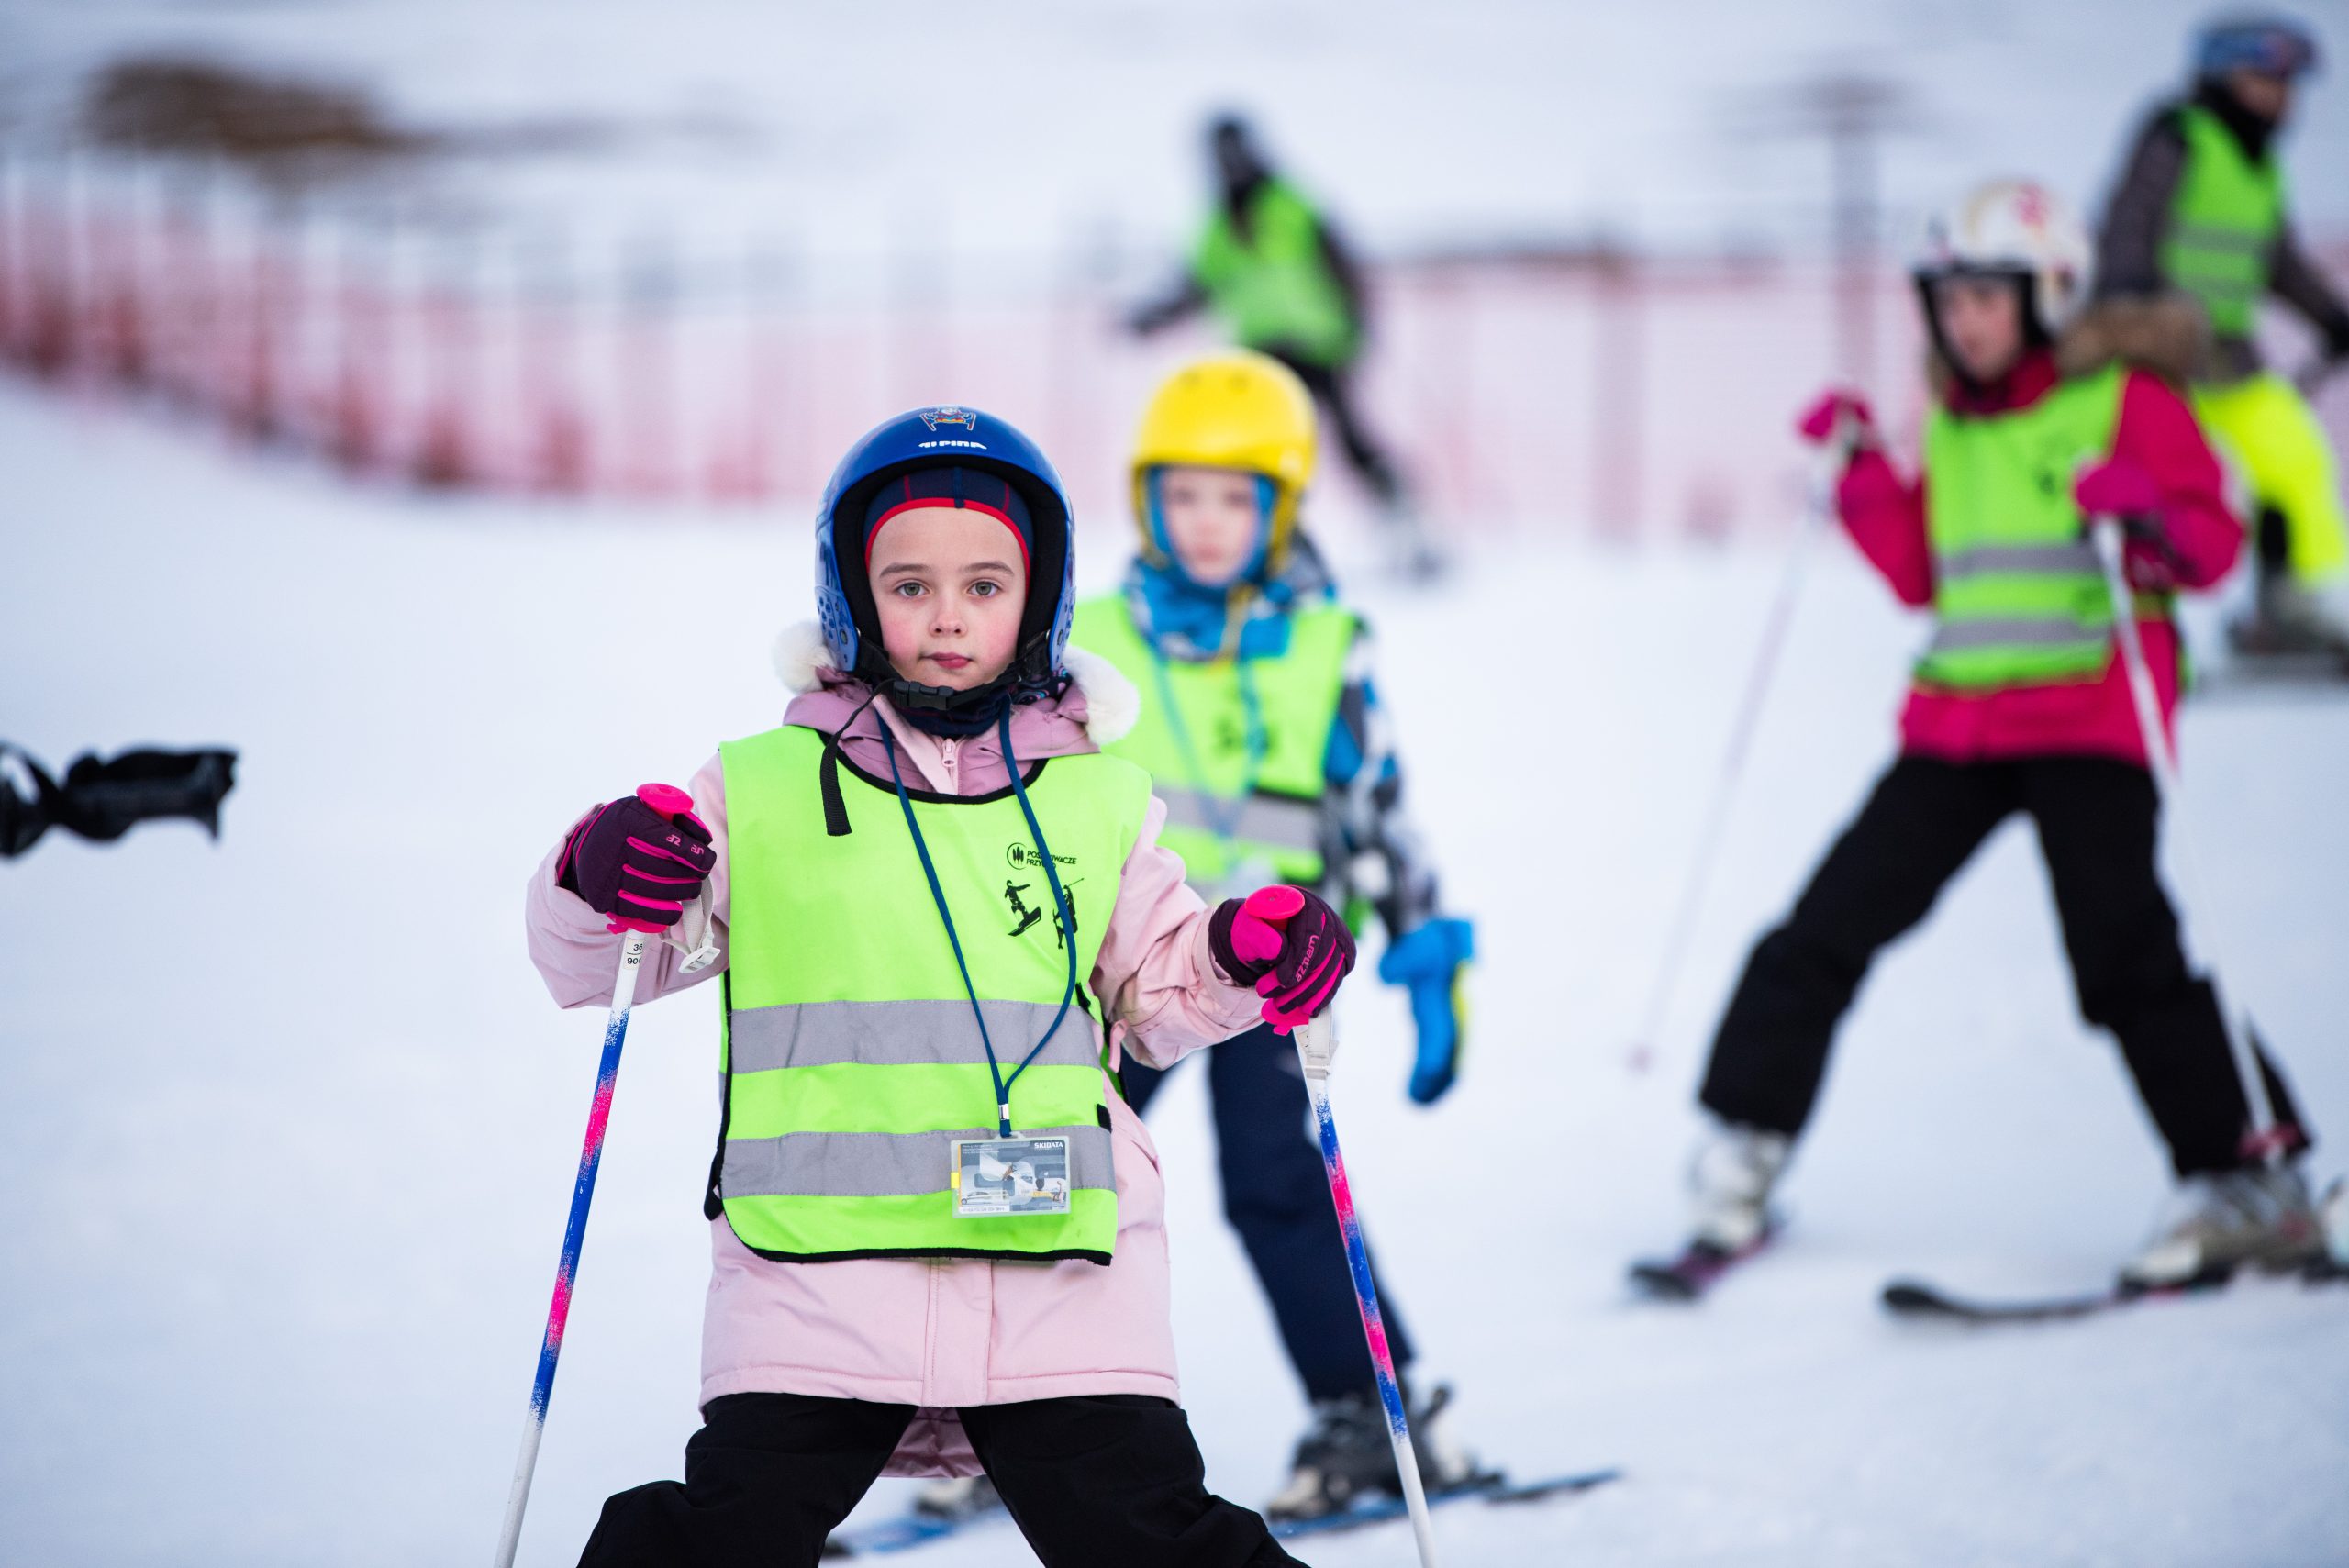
(2014, 228)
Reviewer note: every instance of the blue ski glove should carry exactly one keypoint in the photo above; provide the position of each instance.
(1430, 961)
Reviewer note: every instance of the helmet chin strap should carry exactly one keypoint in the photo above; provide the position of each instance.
(958, 710)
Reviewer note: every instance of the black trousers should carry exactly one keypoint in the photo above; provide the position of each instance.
(1332, 387)
(1093, 1480)
(2096, 819)
(1276, 1195)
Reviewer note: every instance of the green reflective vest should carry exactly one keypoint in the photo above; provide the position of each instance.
(852, 1058)
(2017, 589)
(1274, 287)
(2223, 220)
(1238, 748)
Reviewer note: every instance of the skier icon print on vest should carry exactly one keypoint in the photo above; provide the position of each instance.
(1025, 914)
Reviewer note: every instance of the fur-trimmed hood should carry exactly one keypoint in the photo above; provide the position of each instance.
(1100, 698)
(2164, 335)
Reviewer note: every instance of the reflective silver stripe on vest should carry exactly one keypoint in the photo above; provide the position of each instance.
(885, 1165)
(1272, 819)
(2021, 631)
(906, 1034)
(2208, 237)
(2002, 559)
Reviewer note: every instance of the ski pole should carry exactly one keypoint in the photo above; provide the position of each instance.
(574, 1231)
(1759, 674)
(668, 800)
(2106, 534)
(1316, 1043)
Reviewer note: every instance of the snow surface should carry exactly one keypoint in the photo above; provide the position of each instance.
(287, 1125)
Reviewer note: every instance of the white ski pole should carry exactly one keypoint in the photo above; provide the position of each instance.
(1759, 674)
(2106, 536)
(1317, 1043)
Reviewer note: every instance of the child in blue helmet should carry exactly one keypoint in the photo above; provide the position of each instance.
(1263, 729)
(943, 920)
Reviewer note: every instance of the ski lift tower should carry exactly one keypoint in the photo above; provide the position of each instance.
(1853, 111)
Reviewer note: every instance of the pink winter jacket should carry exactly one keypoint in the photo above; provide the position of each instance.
(942, 1333)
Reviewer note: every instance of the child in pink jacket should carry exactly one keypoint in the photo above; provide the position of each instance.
(942, 916)
(2046, 417)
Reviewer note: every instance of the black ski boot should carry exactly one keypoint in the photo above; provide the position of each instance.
(1347, 1456)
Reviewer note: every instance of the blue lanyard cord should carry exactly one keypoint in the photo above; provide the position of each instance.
(1052, 876)
(1226, 826)
(937, 897)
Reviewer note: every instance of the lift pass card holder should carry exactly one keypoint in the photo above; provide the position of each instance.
(1010, 1176)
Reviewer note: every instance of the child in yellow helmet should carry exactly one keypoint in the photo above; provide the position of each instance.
(1263, 731)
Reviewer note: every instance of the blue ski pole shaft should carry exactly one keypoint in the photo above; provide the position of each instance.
(575, 1232)
(1316, 1042)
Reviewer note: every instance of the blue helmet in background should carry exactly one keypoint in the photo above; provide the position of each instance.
(943, 437)
(2270, 43)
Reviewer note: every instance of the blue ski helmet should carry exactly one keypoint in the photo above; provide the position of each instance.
(2272, 44)
(944, 436)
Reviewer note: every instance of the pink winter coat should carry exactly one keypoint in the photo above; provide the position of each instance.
(942, 1333)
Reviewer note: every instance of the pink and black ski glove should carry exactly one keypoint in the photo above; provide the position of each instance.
(1288, 944)
(2116, 487)
(1838, 414)
(640, 859)
(2122, 490)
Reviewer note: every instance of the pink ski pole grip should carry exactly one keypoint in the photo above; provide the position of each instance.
(666, 799)
(1256, 929)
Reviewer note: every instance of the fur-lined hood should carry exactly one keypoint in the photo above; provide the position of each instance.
(1099, 697)
(2164, 335)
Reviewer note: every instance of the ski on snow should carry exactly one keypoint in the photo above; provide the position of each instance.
(1697, 1270)
(1498, 1490)
(1914, 1298)
(909, 1531)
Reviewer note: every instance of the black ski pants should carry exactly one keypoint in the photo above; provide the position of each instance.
(1090, 1480)
(2096, 819)
(1276, 1195)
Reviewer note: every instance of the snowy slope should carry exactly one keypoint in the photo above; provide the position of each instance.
(287, 1126)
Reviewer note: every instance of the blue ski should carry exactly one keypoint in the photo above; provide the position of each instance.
(1498, 1490)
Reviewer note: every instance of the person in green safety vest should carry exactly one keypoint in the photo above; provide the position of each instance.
(1271, 266)
(2042, 418)
(2200, 208)
(943, 920)
(1262, 730)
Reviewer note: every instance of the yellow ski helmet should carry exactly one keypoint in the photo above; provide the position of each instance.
(1235, 409)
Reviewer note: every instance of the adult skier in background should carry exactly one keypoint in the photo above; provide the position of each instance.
(1272, 267)
(2201, 209)
(2044, 417)
(881, 1298)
